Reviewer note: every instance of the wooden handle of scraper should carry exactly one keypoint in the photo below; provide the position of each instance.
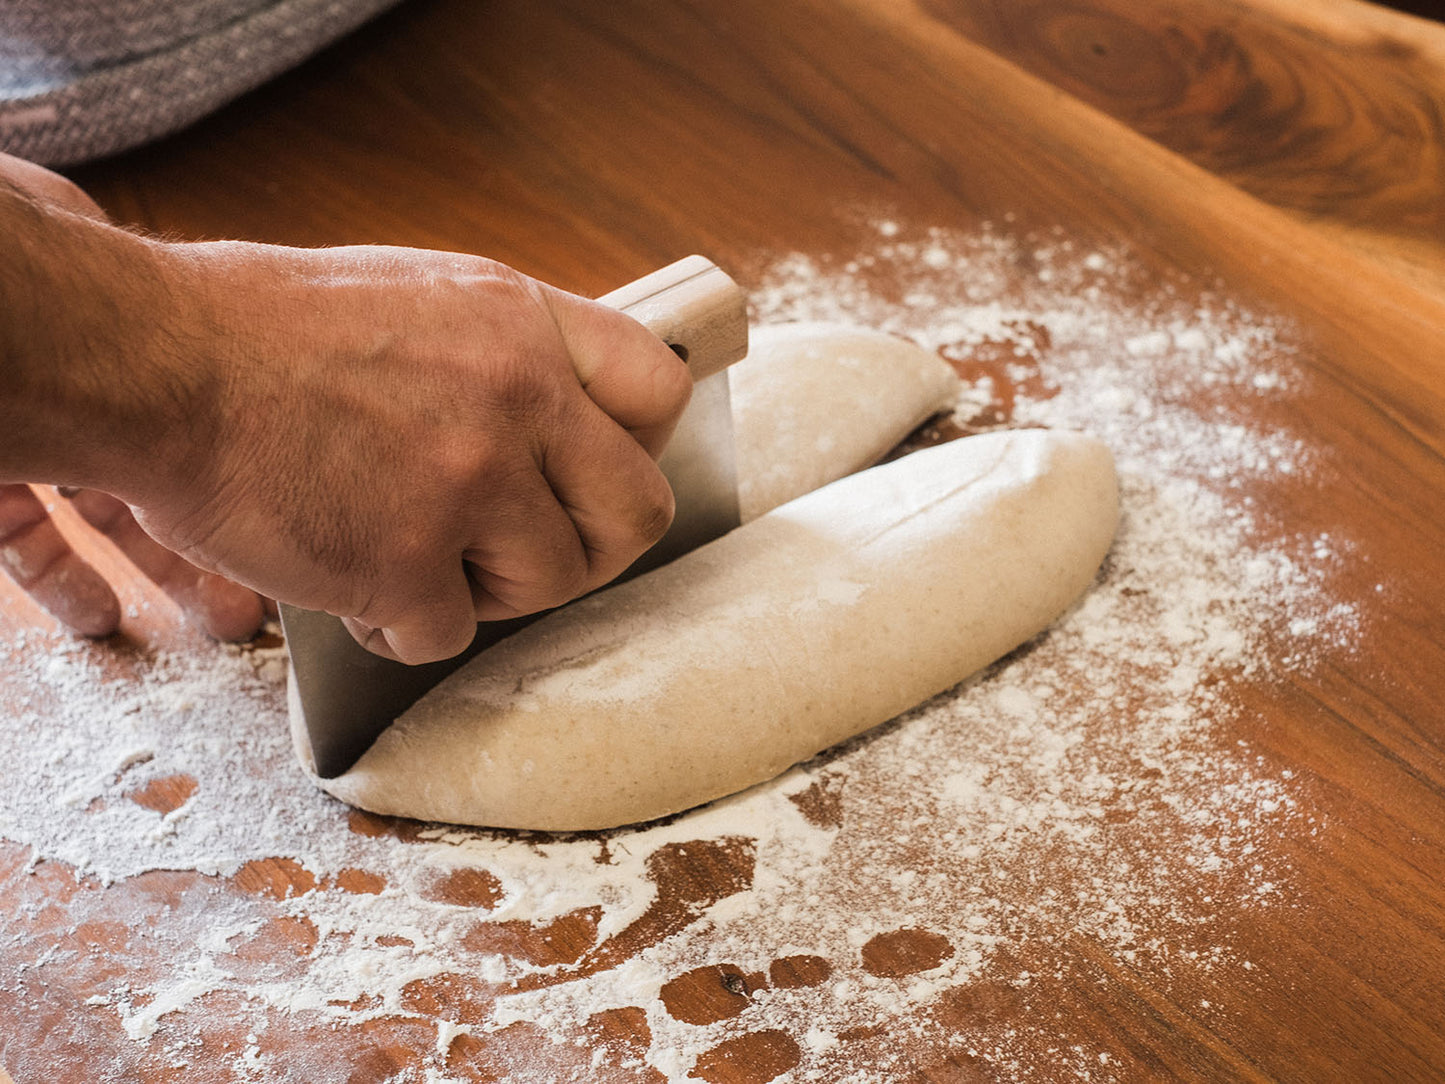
(694, 307)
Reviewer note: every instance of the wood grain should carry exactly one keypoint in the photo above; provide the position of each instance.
(1288, 154)
(1197, 220)
(1330, 111)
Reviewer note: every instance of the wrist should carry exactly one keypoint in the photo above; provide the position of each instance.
(98, 386)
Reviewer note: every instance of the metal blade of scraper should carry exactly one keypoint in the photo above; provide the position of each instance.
(347, 696)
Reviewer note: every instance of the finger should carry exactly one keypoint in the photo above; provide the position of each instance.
(224, 609)
(618, 500)
(436, 623)
(41, 562)
(626, 370)
(528, 555)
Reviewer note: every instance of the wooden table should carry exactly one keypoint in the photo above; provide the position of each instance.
(1285, 157)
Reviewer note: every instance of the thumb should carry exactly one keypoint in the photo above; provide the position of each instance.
(624, 368)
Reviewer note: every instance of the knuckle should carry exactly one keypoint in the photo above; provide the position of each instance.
(457, 466)
(558, 576)
(555, 571)
(513, 385)
(566, 579)
(653, 514)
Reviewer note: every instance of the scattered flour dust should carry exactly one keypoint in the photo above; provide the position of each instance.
(1078, 792)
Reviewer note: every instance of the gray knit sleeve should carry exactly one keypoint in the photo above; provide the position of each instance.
(80, 79)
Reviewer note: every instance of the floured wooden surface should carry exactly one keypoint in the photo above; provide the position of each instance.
(1195, 831)
(1095, 808)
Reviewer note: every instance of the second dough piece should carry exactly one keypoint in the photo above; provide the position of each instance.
(813, 402)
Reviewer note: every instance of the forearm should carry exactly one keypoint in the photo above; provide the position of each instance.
(93, 382)
(411, 440)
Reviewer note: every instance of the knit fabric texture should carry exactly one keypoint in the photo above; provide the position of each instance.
(80, 79)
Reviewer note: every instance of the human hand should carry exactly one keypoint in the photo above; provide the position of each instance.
(37, 557)
(413, 441)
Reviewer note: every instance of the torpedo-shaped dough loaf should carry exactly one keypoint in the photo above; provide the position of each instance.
(812, 623)
(813, 402)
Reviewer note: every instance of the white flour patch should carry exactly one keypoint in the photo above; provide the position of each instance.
(1080, 790)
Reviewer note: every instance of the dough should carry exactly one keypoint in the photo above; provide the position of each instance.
(814, 402)
(812, 623)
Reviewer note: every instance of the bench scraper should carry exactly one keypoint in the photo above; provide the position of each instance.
(347, 696)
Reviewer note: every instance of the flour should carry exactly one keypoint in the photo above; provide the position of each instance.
(1080, 790)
